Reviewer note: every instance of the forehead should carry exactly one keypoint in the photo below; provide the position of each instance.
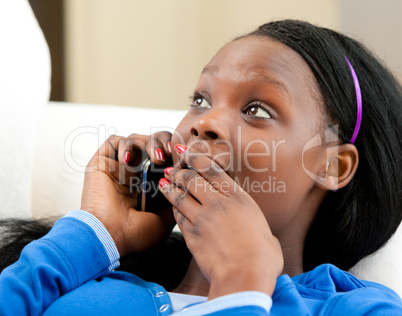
(256, 54)
(256, 58)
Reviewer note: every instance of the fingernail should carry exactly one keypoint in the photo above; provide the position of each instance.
(163, 182)
(170, 146)
(168, 169)
(126, 157)
(181, 149)
(159, 154)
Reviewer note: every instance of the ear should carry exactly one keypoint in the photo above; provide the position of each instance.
(341, 167)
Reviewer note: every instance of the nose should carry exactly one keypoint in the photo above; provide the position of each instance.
(211, 126)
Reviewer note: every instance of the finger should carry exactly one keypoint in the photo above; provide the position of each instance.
(179, 198)
(192, 182)
(137, 149)
(131, 153)
(206, 167)
(181, 220)
(134, 150)
(164, 140)
(106, 157)
(157, 147)
(109, 148)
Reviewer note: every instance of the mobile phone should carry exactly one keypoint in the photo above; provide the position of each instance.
(149, 197)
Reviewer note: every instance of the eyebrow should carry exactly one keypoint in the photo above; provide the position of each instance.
(260, 77)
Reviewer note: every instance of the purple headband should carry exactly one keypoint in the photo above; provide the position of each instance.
(358, 101)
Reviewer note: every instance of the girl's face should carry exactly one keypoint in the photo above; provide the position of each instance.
(255, 107)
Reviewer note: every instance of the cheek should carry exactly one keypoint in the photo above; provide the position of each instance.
(263, 160)
(275, 179)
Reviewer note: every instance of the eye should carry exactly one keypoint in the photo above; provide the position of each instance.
(200, 102)
(257, 110)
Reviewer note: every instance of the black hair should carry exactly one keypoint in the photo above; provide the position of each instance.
(353, 222)
(16, 233)
(357, 220)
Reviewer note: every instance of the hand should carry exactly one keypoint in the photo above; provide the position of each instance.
(224, 228)
(108, 195)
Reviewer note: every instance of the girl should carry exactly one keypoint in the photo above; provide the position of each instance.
(292, 103)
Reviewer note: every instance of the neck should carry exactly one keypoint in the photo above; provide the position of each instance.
(194, 282)
(293, 237)
(293, 259)
(292, 240)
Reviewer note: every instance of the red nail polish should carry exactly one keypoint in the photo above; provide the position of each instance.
(170, 147)
(126, 157)
(159, 154)
(163, 182)
(181, 149)
(168, 170)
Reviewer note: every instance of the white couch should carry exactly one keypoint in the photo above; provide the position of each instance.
(24, 91)
(48, 163)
